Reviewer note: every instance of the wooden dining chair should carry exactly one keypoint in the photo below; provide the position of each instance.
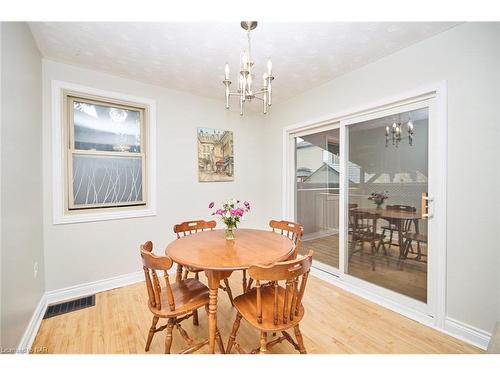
(289, 229)
(364, 230)
(175, 302)
(271, 307)
(392, 224)
(190, 227)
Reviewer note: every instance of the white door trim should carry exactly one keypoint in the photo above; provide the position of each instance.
(437, 92)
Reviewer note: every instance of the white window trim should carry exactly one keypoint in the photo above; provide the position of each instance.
(60, 216)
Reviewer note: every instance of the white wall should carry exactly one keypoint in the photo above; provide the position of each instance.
(468, 58)
(85, 252)
(21, 170)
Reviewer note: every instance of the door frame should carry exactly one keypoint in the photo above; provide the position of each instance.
(436, 93)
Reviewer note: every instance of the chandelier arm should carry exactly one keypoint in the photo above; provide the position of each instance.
(261, 91)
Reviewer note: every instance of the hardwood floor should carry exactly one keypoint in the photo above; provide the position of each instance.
(335, 321)
(409, 279)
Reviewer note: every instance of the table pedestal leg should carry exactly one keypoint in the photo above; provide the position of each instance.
(214, 278)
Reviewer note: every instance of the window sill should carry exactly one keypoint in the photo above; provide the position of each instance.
(101, 216)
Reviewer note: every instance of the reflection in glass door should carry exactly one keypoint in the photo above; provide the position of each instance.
(387, 180)
(317, 205)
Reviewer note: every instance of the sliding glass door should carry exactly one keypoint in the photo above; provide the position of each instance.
(317, 193)
(387, 185)
(363, 189)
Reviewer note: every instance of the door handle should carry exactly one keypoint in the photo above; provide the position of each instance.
(426, 213)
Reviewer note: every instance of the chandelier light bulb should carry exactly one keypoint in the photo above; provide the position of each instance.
(269, 67)
(226, 71)
(410, 126)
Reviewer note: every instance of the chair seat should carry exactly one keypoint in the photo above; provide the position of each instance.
(246, 304)
(189, 294)
(416, 237)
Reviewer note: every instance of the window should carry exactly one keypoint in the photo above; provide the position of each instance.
(107, 156)
(106, 153)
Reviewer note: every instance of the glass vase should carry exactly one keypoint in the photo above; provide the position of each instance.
(230, 231)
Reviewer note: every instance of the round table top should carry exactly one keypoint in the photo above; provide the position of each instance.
(391, 214)
(209, 250)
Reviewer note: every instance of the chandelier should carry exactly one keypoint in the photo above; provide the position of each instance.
(245, 92)
(394, 134)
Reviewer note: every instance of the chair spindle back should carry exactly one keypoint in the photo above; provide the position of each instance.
(189, 227)
(151, 264)
(294, 273)
(292, 230)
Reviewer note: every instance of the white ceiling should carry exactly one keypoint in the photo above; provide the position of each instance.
(191, 56)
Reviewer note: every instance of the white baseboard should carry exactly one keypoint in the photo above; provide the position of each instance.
(465, 332)
(33, 326)
(452, 327)
(81, 290)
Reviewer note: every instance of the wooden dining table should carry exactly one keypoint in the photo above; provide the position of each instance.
(218, 257)
(398, 217)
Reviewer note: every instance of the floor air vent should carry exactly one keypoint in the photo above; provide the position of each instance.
(69, 306)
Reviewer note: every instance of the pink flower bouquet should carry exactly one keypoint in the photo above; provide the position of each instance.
(378, 198)
(231, 213)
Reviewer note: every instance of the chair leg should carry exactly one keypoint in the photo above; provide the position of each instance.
(232, 337)
(381, 244)
(185, 276)
(244, 282)
(406, 248)
(196, 322)
(263, 342)
(168, 338)
(220, 344)
(178, 276)
(300, 341)
(151, 333)
(228, 291)
(390, 239)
